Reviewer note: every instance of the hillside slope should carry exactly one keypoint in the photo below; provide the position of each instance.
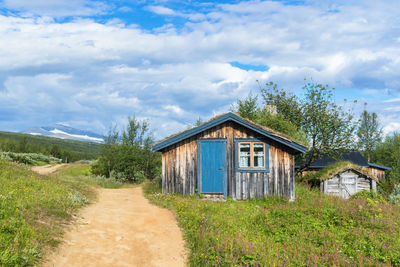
(74, 149)
(33, 209)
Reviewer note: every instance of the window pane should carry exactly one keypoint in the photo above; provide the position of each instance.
(244, 153)
(258, 154)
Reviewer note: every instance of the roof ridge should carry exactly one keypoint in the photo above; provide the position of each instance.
(342, 166)
(221, 118)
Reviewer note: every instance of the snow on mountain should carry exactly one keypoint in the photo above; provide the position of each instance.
(65, 132)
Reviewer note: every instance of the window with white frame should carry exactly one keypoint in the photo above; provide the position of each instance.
(245, 155)
(251, 155)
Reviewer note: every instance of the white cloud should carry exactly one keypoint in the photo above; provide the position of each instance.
(125, 9)
(57, 8)
(86, 72)
(160, 10)
(391, 127)
(393, 100)
(174, 108)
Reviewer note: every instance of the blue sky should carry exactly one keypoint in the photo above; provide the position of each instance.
(89, 64)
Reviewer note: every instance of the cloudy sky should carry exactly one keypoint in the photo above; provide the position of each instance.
(91, 63)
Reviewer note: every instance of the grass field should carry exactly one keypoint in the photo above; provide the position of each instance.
(315, 230)
(82, 172)
(33, 210)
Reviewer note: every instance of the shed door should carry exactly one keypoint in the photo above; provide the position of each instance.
(212, 166)
(348, 184)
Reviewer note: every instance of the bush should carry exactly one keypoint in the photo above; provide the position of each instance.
(27, 158)
(105, 182)
(129, 159)
(158, 180)
(385, 187)
(77, 199)
(369, 195)
(394, 197)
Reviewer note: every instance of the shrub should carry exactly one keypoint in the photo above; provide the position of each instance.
(77, 199)
(28, 158)
(371, 195)
(105, 182)
(158, 180)
(129, 158)
(394, 197)
(139, 176)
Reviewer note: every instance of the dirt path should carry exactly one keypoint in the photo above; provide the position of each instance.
(121, 229)
(46, 169)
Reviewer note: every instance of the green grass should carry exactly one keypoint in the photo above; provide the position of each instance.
(81, 171)
(33, 209)
(315, 230)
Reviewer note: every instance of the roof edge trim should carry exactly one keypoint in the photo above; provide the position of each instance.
(221, 119)
(379, 166)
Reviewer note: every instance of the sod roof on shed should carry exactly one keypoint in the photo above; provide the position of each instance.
(337, 168)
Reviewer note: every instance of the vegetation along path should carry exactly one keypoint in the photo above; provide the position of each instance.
(121, 229)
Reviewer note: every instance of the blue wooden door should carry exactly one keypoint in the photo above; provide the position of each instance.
(212, 166)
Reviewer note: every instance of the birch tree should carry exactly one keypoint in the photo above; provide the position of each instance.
(369, 133)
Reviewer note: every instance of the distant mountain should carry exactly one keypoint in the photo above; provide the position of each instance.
(65, 132)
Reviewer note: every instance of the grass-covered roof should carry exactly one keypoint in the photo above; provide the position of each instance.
(280, 137)
(336, 168)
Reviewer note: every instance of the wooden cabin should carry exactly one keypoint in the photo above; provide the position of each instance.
(347, 180)
(378, 170)
(354, 157)
(229, 156)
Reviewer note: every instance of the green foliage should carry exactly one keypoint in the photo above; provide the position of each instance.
(74, 170)
(369, 134)
(315, 230)
(279, 123)
(28, 158)
(315, 119)
(32, 211)
(130, 160)
(369, 196)
(110, 182)
(198, 122)
(394, 197)
(327, 126)
(387, 153)
(82, 172)
(248, 108)
(286, 103)
(67, 150)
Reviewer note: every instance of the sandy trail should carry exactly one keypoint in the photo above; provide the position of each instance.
(46, 169)
(121, 229)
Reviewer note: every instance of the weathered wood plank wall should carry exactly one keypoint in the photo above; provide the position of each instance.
(377, 172)
(179, 166)
(337, 187)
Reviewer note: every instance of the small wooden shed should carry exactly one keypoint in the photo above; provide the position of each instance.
(354, 157)
(346, 180)
(229, 156)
